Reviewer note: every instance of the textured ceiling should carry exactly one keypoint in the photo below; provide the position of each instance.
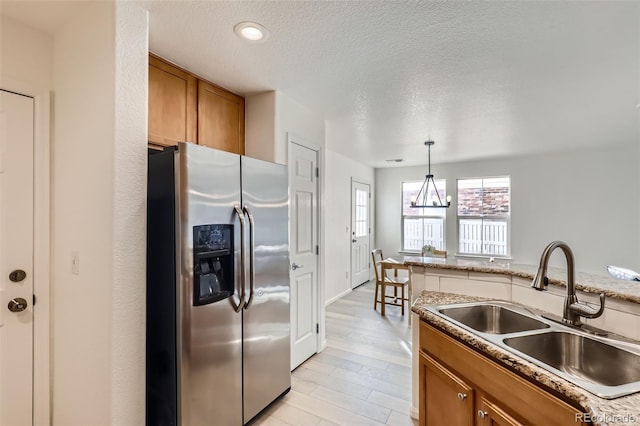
(482, 79)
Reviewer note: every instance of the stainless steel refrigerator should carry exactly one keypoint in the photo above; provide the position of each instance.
(218, 333)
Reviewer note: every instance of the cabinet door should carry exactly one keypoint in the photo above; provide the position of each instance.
(172, 104)
(490, 414)
(220, 118)
(445, 399)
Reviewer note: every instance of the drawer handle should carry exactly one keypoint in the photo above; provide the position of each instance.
(482, 414)
(462, 396)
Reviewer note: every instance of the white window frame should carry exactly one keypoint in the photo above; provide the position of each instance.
(440, 183)
(483, 218)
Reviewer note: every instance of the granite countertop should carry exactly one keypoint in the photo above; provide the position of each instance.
(603, 411)
(590, 283)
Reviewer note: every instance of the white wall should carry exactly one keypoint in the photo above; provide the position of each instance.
(260, 126)
(26, 67)
(270, 117)
(98, 209)
(295, 118)
(128, 316)
(588, 198)
(25, 53)
(339, 171)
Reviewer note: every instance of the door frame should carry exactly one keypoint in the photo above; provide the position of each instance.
(362, 182)
(321, 337)
(41, 243)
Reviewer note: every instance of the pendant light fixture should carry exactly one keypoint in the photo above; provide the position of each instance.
(422, 199)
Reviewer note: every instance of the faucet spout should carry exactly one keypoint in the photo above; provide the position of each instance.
(573, 309)
(540, 281)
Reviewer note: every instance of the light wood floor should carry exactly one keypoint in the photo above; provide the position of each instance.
(363, 377)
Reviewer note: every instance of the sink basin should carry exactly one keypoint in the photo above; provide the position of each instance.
(492, 319)
(581, 358)
(606, 367)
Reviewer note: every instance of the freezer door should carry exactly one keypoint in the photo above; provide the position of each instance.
(265, 197)
(210, 334)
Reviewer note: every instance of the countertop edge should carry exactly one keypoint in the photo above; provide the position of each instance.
(590, 283)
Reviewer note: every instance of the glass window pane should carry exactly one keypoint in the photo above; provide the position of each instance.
(479, 202)
(422, 231)
(494, 237)
(470, 196)
(422, 226)
(361, 213)
(410, 191)
(484, 197)
(470, 236)
(496, 197)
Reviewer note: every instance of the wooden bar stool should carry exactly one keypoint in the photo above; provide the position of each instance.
(383, 281)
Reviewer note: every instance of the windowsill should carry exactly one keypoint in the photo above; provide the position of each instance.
(460, 256)
(481, 256)
(408, 253)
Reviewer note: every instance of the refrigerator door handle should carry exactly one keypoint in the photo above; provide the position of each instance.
(241, 290)
(252, 257)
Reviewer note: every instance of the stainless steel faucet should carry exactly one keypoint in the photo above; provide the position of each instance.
(573, 309)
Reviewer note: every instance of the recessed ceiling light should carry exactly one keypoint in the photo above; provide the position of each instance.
(251, 31)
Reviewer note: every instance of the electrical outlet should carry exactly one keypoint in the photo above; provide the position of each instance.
(75, 262)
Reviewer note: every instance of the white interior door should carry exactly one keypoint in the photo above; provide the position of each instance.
(360, 230)
(16, 259)
(303, 251)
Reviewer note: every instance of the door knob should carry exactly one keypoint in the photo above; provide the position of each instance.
(482, 414)
(17, 275)
(17, 305)
(354, 241)
(295, 266)
(462, 396)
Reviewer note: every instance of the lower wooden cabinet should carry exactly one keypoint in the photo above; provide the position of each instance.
(448, 399)
(460, 386)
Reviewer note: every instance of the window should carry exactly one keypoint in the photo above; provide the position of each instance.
(422, 226)
(484, 208)
(362, 213)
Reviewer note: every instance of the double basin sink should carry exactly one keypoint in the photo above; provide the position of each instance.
(606, 367)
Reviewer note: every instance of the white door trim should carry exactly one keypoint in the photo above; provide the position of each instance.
(41, 245)
(295, 138)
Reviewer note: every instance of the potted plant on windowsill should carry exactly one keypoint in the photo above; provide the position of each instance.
(427, 250)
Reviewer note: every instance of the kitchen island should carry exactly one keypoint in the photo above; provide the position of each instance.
(447, 281)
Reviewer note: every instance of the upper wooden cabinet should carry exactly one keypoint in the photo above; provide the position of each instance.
(183, 107)
(220, 118)
(172, 104)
